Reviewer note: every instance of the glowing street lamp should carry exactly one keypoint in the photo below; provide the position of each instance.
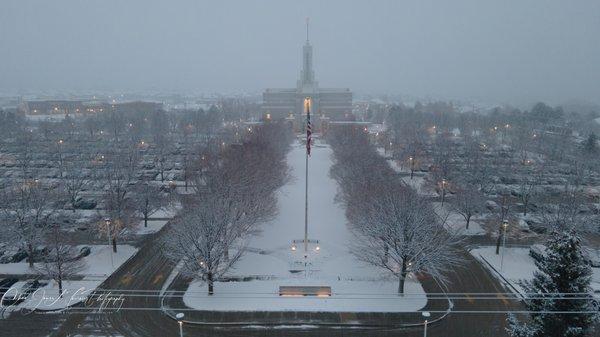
(426, 315)
(443, 190)
(179, 318)
(107, 222)
(504, 227)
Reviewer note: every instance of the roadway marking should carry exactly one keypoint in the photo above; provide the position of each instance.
(157, 278)
(503, 299)
(125, 280)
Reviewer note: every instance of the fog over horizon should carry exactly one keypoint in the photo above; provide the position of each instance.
(513, 52)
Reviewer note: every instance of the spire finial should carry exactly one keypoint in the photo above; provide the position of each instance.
(307, 29)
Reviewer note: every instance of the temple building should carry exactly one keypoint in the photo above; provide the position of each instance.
(326, 103)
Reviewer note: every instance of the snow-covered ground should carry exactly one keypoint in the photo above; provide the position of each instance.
(97, 268)
(418, 180)
(456, 221)
(518, 265)
(153, 227)
(355, 286)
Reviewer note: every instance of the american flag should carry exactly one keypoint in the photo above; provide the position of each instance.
(308, 125)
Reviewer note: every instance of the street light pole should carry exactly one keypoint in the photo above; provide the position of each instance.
(425, 314)
(504, 226)
(443, 190)
(179, 317)
(107, 222)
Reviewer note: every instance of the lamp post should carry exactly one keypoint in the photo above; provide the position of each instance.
(179, 317)
(443, 190)
(412, 166)
(426, 315)
(504, 227)
(107, 222)
(60, 157)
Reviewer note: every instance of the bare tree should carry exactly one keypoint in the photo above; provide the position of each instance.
(528, 188)
(28, 210)
(566, 211)
(148, 199)
(400, 232)
(62, 260)
(120, 174)
(199, 238)
(25, 152)
(76, 180)
(468, 201)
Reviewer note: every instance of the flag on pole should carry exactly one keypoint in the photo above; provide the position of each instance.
(308, 125)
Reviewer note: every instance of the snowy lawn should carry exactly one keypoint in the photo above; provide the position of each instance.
(267, 264)
(97, 268)
(518, 265)
(153, 227)
(418, 180)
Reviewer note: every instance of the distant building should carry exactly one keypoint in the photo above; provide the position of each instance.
(326, 103)
(51, 107)
(69, 107)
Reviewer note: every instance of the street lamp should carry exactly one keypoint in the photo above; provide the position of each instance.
(426, 315)
(107, 223)
(179, 317)
(443, 190)
(504, 227)
(412, 166)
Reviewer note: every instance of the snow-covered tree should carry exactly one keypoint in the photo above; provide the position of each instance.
(199, 238)
(120, 173)
(467, 202)
(565, 211)
(399, 231)
(148, 199)
(62, 260)
(76, 180)
(28, 210)
(560, 299)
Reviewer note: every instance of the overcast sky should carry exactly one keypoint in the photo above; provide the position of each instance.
(502, 51)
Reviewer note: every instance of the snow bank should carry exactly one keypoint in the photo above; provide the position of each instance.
(518, 265)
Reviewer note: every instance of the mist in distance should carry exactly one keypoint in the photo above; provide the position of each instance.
(515, 52)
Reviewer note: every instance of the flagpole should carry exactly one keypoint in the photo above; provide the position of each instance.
(306, 205)
(308, 139)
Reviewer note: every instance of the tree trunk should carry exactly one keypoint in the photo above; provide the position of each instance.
(402, 278)
(30, 255)
(468, 221)
(525, 208)
(114, 244)
(60, 287)
(145, 220)
(211, 289)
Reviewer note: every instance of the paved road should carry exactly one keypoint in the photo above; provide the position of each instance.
(149, 269)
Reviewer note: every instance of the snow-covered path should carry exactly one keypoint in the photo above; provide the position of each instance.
(356, 286)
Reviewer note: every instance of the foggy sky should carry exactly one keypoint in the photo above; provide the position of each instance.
(508, 51)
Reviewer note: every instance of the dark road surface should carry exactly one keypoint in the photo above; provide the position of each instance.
(149, 270)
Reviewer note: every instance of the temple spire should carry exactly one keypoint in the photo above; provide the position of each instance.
(307, 29)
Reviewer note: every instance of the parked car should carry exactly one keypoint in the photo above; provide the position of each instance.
(19, 291)
(5, 284)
